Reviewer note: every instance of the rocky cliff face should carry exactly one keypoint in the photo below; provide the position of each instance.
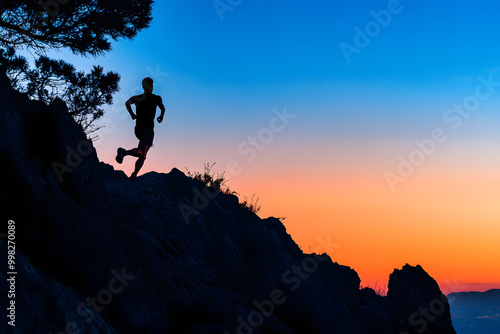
(97, 253)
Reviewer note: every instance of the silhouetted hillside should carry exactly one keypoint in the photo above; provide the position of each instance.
(476, 312)
(97, 253)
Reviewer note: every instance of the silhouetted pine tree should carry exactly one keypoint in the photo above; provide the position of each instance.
(83, 26)
(86, 28)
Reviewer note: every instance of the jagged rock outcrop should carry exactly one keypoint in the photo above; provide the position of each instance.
(101, 254)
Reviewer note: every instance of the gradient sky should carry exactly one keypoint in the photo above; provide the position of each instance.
(325, 171)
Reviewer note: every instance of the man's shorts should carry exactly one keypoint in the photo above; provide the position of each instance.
(145, 136)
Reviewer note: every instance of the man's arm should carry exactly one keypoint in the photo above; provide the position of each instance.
(162, 108)
(128, 105)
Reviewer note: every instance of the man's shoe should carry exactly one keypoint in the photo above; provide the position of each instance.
(120, 153)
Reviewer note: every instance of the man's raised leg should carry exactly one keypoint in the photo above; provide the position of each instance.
(121, 153)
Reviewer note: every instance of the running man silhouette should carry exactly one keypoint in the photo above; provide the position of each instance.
(145, 108)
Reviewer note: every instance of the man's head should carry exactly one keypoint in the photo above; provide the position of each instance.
(147, 84)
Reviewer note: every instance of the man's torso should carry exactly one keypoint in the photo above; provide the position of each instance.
(146, 110)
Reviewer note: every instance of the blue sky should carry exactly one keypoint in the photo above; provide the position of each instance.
(266, 55)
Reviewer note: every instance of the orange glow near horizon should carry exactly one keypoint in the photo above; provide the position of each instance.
(375, 231)
(446, 220)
